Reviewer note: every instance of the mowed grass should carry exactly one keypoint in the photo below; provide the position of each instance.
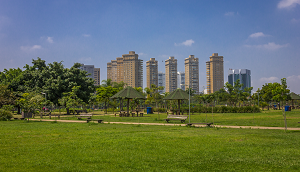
(51, 146)
(268, 118)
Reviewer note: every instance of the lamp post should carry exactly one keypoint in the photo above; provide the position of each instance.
(189, 102)
(45, 100)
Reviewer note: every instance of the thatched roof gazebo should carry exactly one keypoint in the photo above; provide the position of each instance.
(128, 93)
(178, 94)
(294, 96)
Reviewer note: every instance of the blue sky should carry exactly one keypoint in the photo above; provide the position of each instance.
(262, 36)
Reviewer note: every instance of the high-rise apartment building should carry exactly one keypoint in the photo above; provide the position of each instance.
(108, 73)
(244, 75)
(97, 76)
(120, 69)
(192, 73)
(214, 73)
(92, 72)
(152, 72)
(112, 70)
(133, 69)
(171, 74)
(89, 69)
(162, 81)
(181, 80)
(127, 68)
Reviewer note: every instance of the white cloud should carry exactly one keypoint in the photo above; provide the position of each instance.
(50, 39)
(86, 35)
(141, 54)
(295, 20)
(293, 83)
(258, 34)
(269, 80)
(85, 59)
(186, 43)
(30, 48)
(229, 14)
(288, 3)
(268, 46)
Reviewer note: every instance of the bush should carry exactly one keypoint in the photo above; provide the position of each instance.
(224, 109)
(5, 115)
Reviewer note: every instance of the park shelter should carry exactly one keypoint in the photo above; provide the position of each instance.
(178, 94)
(294, 96)
(128, 93)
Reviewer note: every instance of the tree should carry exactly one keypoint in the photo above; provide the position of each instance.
(29, 102)
(190, 91)
(52, 79)
(104, 94)
(236, 93)
(7, 96)
(106, 83)
(71, 99)
(280, 92)
(7, 76)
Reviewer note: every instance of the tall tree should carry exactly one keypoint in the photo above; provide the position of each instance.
(53, 79)
(104, 94)
(7, 96)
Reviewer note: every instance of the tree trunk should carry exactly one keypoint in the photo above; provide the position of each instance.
(68, 111)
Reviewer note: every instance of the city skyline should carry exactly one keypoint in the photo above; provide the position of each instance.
(259, 35)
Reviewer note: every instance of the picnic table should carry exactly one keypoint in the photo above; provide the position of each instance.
(137, 112)
(176, 117)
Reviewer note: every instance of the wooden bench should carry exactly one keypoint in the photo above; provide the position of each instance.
(99, 120)
(176, 117)
(208, 124)
(88, 116)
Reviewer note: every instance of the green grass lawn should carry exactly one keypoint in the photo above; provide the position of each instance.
(269, 118)
(50, 146)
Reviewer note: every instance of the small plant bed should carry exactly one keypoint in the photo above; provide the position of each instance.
(176, 117)
(98, 120)
(191, 124)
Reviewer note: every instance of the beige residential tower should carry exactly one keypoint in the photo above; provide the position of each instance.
(171, 74)
(214, 73)
(192, 73)
(127, 68)
(152, 72)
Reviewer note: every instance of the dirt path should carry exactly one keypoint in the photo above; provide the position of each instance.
(168, 124)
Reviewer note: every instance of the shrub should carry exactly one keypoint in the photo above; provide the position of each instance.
(5, 115)
(159, 110)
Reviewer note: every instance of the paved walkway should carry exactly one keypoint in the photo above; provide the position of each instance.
(168, 124)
